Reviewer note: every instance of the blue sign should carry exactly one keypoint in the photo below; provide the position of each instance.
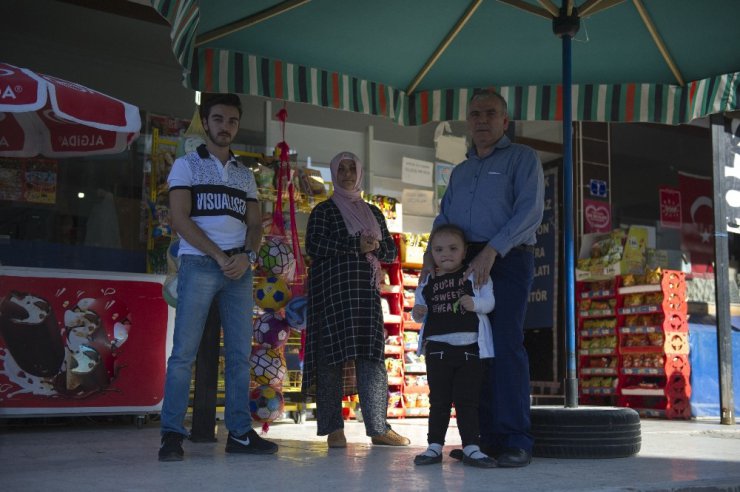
(597, 188)
(543, 296)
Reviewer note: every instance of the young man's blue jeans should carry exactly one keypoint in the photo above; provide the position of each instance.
(199, 281)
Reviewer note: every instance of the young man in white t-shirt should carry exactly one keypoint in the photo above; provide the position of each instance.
(214, 209)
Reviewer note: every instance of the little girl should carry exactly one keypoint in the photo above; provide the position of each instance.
(455, 336)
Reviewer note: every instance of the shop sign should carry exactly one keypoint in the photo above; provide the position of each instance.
(597, 216)
(542, 305)
(597, 188)
(417, 172)
(670, 207)
(731, 182)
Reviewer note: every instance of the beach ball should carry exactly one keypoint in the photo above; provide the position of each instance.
(271, 330)
(266, 404)
(296, 312)
(169, 290)
(272, 293)
(276, 257)
(267, 366)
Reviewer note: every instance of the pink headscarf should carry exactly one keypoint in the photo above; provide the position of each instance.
(357, 215)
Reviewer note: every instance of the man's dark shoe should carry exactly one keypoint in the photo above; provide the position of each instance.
(250, 443)
(171, 447)
(514, 458)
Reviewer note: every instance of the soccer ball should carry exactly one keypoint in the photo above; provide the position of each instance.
(272, 293)
(276, 257)
(266, 404)
(271, 330)
(267, 366)
(295, 312)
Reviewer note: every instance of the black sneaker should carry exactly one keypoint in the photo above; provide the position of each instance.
(250, 443)
(171, 448)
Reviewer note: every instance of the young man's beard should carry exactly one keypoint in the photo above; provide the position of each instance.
(213, 138)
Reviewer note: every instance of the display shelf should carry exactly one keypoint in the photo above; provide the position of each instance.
(396, 412)
(599, 371)
(597, 313)
(393, 349)
(392, 319)
(598, 351)
(653, 345)
(643, 391)
(390, 289)
(648, 367)
(639, 289)
(597, 294)
(640, 310)
(643, 371)
(395, 381)
(598, 391)
(417, 412)
(416, 368)
(597, 332)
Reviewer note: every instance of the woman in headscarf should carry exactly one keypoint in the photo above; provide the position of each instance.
(347, 239)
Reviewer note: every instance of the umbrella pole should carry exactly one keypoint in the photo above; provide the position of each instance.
(571, 378)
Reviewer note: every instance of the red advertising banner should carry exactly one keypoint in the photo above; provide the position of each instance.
(597, 216)
(670, 207)
(76, 344)
(697, 217)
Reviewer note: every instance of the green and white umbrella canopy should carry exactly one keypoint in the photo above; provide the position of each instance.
(369, 57)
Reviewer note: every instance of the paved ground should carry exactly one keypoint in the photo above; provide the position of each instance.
(101, 453)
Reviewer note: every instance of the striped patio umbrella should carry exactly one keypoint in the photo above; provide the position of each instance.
(416, 61)
(664, 61)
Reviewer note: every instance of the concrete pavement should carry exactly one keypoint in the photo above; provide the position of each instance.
(101, 453)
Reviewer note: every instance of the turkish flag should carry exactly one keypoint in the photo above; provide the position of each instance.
(697, 217)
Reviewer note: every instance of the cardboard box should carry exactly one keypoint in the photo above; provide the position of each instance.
(633, 260)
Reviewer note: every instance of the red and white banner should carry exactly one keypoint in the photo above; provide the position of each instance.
(697, 217)
(597, 216)
(670, 207)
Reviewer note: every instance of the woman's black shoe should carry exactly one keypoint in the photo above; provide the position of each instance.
(482, 462)
(423, 459)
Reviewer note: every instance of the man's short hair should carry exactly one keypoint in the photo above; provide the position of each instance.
(486, 93)
(210, 100)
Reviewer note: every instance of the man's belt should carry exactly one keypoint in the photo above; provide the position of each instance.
(234, 251)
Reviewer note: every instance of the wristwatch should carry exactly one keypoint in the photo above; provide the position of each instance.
(252, 256)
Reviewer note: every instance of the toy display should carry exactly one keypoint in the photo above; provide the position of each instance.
(271, 330)
(272, 293)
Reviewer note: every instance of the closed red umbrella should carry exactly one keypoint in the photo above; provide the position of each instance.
(41, 114)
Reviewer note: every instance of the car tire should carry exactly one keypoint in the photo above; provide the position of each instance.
(588, 432)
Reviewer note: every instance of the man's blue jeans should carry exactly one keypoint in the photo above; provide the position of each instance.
(199, 281)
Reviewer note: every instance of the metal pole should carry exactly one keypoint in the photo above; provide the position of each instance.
(721, 159)
(571, 378)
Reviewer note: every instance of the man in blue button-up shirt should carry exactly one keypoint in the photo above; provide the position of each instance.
(497, 197)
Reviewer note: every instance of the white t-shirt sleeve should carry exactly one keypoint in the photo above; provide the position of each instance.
(181, 176)
(251, 187)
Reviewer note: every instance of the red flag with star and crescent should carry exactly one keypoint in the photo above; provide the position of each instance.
(697, 217)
